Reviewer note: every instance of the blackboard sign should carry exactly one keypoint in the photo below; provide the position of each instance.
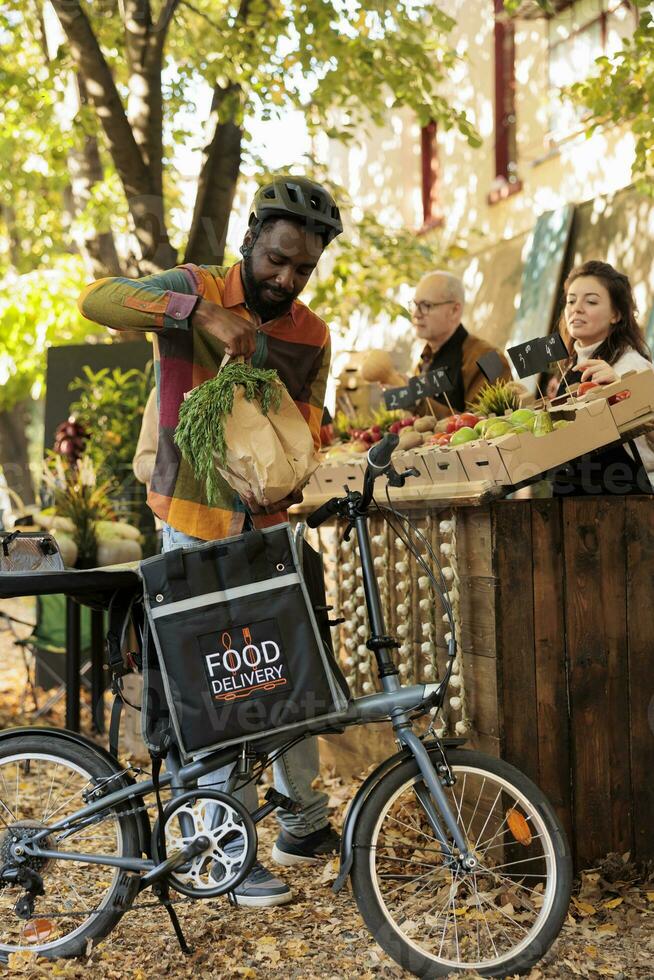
(396, 398)
(67, 363)
(537, 355)
(429, 385)
(491, 366)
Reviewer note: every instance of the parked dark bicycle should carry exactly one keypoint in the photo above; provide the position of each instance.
(457, 860)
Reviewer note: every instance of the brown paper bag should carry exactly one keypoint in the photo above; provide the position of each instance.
(270, 455)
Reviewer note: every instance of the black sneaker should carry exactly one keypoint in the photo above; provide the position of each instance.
(261, 889)
(289, 850)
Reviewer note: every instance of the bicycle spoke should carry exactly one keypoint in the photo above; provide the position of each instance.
(453, 916)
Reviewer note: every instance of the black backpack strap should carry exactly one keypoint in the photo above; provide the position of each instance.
(114, 725)
(176, 574)
(120, 615)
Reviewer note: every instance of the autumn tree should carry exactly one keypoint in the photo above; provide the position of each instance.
(137, 66)
(99, 97)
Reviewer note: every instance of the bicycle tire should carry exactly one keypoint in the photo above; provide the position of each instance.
(375, 888)
(80, 765)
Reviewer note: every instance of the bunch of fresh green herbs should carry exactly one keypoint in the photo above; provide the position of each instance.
(200, 433)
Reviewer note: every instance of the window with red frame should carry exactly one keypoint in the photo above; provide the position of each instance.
(431, 203)
(506, 167)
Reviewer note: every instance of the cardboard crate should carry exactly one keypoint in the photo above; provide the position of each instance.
(414, 458)
(628, 413)
(330, 478)
(523, 455)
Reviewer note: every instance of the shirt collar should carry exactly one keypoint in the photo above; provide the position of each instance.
(453, 341)
(235, 295)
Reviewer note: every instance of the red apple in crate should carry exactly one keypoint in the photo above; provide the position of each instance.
(467, 420)
(586, 386)
(620, 396)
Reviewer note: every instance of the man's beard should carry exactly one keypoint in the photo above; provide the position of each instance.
(255, 301)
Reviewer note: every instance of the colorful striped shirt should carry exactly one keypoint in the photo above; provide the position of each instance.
(296, 345)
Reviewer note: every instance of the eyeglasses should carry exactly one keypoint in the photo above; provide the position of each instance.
(424, 308)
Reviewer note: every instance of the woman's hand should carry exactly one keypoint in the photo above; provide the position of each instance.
(267, 508)
(552, 389)
(596, 370)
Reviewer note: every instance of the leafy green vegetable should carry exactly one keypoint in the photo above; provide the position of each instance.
(200, 433)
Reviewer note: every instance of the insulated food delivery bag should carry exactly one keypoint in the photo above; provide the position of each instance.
(237, 639)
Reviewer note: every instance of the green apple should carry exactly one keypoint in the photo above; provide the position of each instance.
(497, 429)
(466, 434)
(522, 416)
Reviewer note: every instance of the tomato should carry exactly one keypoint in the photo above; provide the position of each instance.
(586, 386)
(439, 439)
(326, 435)
(620, 396)
(452, 423)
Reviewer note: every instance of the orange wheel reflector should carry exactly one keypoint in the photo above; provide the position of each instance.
(519, 827)
(38, 930)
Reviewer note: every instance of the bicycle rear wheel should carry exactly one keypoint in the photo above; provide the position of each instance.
(425, 910)
(42, 780)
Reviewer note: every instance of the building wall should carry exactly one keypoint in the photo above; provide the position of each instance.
(385, 172)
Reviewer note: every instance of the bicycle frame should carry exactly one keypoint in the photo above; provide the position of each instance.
(395, 702)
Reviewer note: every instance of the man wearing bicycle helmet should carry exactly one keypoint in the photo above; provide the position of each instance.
(197, 314)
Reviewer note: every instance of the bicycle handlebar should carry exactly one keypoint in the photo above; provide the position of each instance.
(324, 512)
(379, 455)
(379, 459)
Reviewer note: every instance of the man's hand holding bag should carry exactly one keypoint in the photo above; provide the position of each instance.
(244, 425)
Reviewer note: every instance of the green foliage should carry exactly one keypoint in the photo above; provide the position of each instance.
(33, 147)
(77, 495)
(343, 65)
(512, 7)
(110, 407)
(200, 433)
(36, 311)
(370, 266)
(622, 91)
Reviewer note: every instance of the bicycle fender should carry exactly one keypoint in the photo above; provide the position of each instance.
(82, 740)
(361, 797)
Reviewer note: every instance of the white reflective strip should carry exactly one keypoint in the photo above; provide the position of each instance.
(210, 598)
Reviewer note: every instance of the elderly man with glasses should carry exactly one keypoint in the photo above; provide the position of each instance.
(436, 312)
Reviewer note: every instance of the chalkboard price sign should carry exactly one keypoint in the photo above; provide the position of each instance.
(396, 398)
(537, 355)
(430, 385)
(491, 366)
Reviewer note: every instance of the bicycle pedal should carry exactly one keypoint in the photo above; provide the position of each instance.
(279, 800)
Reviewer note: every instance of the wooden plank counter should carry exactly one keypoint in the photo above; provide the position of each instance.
(555, 604)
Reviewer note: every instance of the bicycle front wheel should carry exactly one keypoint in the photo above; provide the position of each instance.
(43, 780)
(424, 909)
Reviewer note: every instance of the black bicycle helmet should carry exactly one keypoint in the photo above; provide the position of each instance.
(301, 199)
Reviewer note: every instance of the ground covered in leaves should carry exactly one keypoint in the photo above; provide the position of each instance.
(609, 931)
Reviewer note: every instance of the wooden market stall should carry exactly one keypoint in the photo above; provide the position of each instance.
(553, 604)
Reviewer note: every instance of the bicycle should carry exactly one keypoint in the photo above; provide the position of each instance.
(457, 860)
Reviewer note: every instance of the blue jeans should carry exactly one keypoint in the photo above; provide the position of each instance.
(293, 773)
